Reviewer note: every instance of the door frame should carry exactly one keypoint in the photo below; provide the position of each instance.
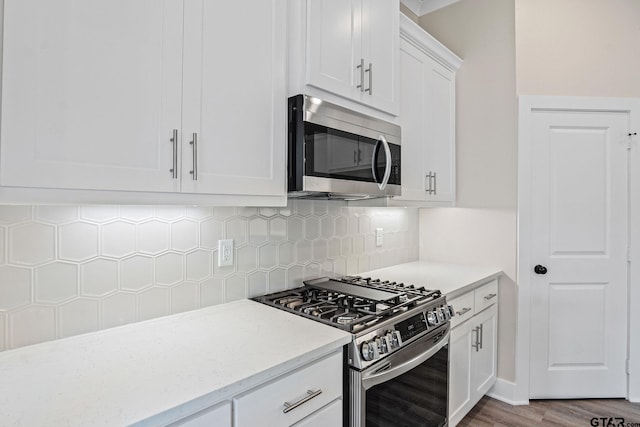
(527, 104)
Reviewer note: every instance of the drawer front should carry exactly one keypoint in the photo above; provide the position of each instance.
(330, 415)
(308, 389)
(463, 306)
(486, 296)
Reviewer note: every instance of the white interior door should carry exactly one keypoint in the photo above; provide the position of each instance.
(580, 235)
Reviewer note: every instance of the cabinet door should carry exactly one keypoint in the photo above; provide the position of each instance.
(380, 40)
(91, 93)
(334, 46)
(412, 115)
(235, 97)
(484, 371)
(460, 371)
(440, 115)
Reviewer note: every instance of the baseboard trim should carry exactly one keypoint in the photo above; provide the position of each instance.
(505, 391)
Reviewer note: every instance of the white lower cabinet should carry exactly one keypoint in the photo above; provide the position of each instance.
(302, 394)
(473, 349)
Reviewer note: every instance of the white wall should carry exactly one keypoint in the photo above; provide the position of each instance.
(578, 47)
(482, 230)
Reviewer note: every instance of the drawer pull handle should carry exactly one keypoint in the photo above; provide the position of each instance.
(463, 311)
(310, 395)
(488, 297)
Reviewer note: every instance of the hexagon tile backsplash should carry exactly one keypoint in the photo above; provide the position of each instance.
(70, 270)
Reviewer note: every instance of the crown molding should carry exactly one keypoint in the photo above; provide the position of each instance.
(422, 7)
(424, 41)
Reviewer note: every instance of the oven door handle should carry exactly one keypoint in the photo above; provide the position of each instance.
(377, 377)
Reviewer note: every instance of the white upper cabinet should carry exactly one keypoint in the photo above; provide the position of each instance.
(349, 49)
(91, 92)
(427, 116)
(94, 91)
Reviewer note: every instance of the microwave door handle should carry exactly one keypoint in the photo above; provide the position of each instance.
(376, 378)
(374, 162)
(387, 169)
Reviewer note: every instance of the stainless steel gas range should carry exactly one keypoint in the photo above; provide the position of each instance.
(397, 362)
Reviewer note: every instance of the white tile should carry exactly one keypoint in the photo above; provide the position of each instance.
(153, 302)
(212, 292)
(257, 284)
(98, 277)
(99, 214)
(286, 211)
(236, 229)
(303, 207)
(14, 214)
(312, 271)
(326, 268)
(222, 271)
(136, 273)
(235, 288)
(246, 259)
(320, 207)
(335, 207)
(320, 250)
(170, 213)
(364, 263)
(268, 256)
(56, 282)
(118, 309)
(3, 234)
(118, 239)
(153, 237)
(78, 241)
(312, 228)
(184, 235)
(335, 246)
(199, 265)
(198, 212)
(295, 275)
(78, 317)
(286, 254)
(258, 231)
(277, 280)
(340, 266)
(211, 231)
(352, 265)
(247, 212)
(224, 213)
(268, 212)
(56, 214)
(353, 225)
(364, 224)
(358, 244)
(295, 228)
(136, 213)
(31, 244)
(169, 268)
(184, 297)
(32, 325)
(277, 229)
(346, 246)
(15, 287)
(327, 227)
(303, 251)
(341, 226)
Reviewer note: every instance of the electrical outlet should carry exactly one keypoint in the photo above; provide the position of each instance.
(379, 236)
(225, 252)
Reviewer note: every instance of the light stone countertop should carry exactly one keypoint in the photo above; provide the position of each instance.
(149, 372)
(451, 279)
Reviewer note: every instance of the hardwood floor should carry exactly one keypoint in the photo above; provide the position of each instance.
(569, 413)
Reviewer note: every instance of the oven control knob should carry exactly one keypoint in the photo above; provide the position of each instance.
(393, 340)
(451, 311)
(381, 345)
(368, 350)
(432, 318)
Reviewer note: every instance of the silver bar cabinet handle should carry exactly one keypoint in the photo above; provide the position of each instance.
(310, 395)
(427, 186)
(435, 183)
(481, 328)
(463, 311)
(194, 147)
(361, 68)
(488, 297)
(370, 71)
(477, 344)
(174, 143)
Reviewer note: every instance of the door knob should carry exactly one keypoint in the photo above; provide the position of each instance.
(540, 269)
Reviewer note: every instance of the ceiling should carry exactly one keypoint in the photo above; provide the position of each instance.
(422, 7)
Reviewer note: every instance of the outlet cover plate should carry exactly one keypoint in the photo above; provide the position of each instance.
(225, 252)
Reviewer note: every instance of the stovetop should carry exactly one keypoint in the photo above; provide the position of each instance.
(351, 303)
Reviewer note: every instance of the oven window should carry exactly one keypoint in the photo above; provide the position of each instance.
(415, 398)
(331, 153)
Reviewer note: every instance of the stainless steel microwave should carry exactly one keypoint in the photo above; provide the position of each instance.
(336, 153)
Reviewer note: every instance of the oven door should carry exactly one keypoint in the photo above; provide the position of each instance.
(409, 388)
